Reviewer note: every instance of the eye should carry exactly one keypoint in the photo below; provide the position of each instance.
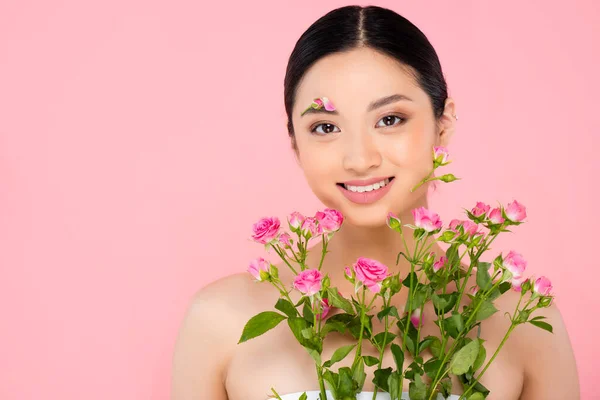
(323, 129)
(388, 120)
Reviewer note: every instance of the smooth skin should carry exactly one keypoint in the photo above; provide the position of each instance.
(358, 142)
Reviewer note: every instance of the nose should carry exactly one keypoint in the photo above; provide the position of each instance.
(361, 153)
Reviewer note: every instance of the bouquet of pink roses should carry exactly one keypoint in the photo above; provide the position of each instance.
(452, 352)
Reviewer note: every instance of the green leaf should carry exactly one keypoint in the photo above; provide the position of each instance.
(425, 343)
(338, 301)
(392, 310)
(358, 372)
(417, 389)
(446, 387)
(394, 385)
(346, 386)
(452, 255)
(538, 317)
(486, 310)
(421, 295)
(303, 396)
(464, 358)
(381, 378)
(315, 355)
(339, 355)
(370, 360)
(435, 347)
(297, 325)
(432, 366)
(504, 286)
(307, 312)
(447, 236)
(406, 281)
(333, 326)
(541, 324)
(333, 381)
(398, 355)
(286, 307)
(443, 303)
(410, 344)
(484, 281)
(480, 357)
(308, 333)
(260, 324)
(476, 396)
(454, 324)
(379, 339)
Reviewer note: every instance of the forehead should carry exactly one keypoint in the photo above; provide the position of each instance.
(353, 79)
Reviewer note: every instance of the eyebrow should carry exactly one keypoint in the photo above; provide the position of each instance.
(387, 100)
(374, 105)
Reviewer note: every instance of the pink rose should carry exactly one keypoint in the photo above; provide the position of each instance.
(427, 220)
(295, 220)
(348, 272)
(285, 239)
(473, 291)
(370, 272)
(325, 102)
(516, 282)
(265, 230)
(480, 209)
(330, 220)
(469, 227)
(542, 286)
(440, 154)
(308, 281)
(326, 308)
(393, 221)
(311, 227)
(515, 211)
(257, 265)
(416, 318)
(439, 264)
(515, 263)
(496, 216)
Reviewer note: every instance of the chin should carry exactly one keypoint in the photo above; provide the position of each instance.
(365, 216)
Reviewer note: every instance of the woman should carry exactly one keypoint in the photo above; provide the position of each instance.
(391, 108)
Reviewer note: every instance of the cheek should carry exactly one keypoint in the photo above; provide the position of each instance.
(412, 151)
(319, 166)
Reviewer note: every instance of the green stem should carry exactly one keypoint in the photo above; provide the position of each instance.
(381, 351)
(276, 394)
(510, 329)
(325, 242)
(423, 181)
(362, 327)
(438, 378)
(464, 284)
(284, 258)
(321, 383)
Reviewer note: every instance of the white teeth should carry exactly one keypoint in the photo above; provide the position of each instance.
(362, 189)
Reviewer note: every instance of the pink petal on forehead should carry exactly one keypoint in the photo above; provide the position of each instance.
(328, 104)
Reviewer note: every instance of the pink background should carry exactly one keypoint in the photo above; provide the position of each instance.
(140, 140)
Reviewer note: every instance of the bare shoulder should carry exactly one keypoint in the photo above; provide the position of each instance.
(209, 333)
(545, 356)
(549, 357)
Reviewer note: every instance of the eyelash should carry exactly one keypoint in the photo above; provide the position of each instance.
(402, 120)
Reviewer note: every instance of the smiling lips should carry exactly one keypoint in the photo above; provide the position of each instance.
(366, 191)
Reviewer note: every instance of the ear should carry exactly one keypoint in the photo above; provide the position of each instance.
(446, 123)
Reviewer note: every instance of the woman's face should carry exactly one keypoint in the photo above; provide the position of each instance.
(366, 136)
